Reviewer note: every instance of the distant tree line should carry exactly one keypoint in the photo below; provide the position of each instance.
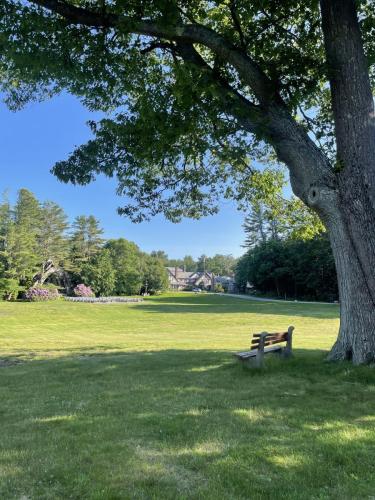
(288, 253)
(219, 264)
(38, 246)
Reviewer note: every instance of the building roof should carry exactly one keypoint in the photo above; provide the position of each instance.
(187, 276)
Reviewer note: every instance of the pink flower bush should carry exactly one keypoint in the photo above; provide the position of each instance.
(39, 294)
(82, 290)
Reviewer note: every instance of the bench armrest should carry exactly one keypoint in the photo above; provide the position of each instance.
(289, 341)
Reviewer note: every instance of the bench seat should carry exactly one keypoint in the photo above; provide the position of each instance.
(264, 343)
(251, 354)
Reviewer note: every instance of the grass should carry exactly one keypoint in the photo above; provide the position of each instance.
(145, 401)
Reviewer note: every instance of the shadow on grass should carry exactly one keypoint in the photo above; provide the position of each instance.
(220, 304)
(186, 424)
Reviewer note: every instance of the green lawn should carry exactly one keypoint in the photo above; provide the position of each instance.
(145, 401)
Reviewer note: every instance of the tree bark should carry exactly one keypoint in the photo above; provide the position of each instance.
(356, 339)
(351, 223)
(47, 270)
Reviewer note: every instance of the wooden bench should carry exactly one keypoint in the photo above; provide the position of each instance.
(266, 343)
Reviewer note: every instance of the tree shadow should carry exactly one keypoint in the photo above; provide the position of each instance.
(215, 304)
(187, 424)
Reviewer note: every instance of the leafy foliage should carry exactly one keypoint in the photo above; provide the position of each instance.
(222, 265)
(100, 273)
(175, 132)
(279, 219)
(298, 269)
(127, 262)
(288, 254)
(9, 288)
(155, 278)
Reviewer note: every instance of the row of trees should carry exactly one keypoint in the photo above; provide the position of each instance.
(219, 264)
(289, 254)
(38, 246)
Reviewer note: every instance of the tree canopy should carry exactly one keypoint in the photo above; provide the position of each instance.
(194, 90)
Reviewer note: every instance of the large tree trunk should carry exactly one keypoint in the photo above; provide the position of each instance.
(356, 339)
(351, 221)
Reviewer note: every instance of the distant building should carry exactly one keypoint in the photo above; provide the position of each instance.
(227, 282)
(180, 279)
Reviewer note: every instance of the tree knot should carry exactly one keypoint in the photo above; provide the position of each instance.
(314, 195)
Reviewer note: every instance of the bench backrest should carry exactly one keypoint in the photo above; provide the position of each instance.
(268, 339)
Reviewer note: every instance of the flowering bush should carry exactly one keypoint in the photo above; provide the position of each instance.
(38, 294)
(82, 290)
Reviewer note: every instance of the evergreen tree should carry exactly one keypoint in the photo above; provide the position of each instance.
(86, 241)
(94, 236)
(52, 241)
(255, 227)
(280, 219)
(5, 223)
(23, 231)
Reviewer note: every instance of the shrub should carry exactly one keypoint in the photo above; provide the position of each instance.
(41, 293)
(219, 288)
(9, 289)
(82, 290)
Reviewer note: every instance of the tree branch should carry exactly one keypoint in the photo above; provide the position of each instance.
(270, 120)
(247, 69)
(237, 24)
(158, 45)
(244, 111)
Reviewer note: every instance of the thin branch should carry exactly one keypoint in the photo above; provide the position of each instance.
(237, 24)
(310, 124)
(276, 22)
(225, 147)
(185, 14)
(158, 45)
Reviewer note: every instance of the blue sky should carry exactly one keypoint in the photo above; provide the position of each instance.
(33, 139)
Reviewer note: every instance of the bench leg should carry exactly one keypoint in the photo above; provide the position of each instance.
(259, 359)
(286, 353)
(253, 362)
